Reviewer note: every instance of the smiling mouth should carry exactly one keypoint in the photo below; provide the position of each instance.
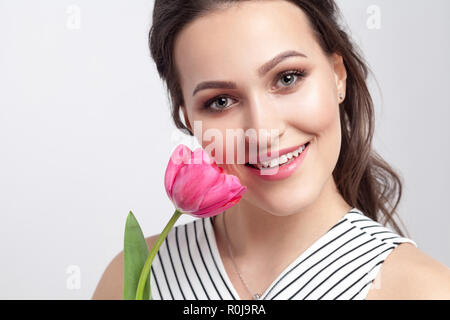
(280, 161)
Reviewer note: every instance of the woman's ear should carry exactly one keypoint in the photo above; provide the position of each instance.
(186, 120)
(340, 73)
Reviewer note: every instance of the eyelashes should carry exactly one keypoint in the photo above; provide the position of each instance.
(299, 74)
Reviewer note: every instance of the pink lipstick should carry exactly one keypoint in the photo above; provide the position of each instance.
(282, 171)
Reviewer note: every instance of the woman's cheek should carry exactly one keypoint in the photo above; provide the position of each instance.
(212, 142)
(313, 110)
(216, 144)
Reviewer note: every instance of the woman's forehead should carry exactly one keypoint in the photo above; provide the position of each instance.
(241, 38)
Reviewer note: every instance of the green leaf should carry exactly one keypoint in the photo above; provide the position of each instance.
(135, 253)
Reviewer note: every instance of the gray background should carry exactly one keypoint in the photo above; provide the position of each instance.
(85, 132)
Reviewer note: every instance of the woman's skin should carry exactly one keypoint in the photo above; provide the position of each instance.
(275, 221)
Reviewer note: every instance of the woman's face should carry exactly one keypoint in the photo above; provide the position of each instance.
(231, 45)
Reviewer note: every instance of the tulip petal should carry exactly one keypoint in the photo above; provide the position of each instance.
(218, 210)
(222, 192)
(179, 158)
(191, 185)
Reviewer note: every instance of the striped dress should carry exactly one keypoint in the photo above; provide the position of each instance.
(341, 264)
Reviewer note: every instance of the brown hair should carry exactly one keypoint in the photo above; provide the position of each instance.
(363, 178)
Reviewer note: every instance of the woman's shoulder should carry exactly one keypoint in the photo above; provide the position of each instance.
(409, 273)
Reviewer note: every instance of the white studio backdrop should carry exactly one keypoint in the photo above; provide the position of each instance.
(85, 131)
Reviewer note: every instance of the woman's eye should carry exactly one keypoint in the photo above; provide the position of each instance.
(217, 104)
(288, 78)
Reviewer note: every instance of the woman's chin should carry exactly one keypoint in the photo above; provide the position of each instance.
(279, 199)
(277, 206)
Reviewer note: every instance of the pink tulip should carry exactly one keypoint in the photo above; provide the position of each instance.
(197, 186)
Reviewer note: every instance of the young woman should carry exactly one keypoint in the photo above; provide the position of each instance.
(312, 231)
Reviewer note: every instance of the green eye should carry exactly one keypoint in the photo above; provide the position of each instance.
(217, 104)
(290, 77)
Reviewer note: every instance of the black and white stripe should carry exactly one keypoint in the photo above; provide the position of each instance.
(341, 264)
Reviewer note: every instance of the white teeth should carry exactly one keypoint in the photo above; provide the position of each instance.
(280, 160)
(283, 159)
(273, 163)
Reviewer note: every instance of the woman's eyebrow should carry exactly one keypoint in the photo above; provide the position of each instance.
(266, 67)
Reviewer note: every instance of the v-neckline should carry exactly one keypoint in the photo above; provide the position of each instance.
(297, 260)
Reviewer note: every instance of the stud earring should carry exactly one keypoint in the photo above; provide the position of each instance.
(341, 96)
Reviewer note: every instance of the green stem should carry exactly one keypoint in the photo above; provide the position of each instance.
(148, 263)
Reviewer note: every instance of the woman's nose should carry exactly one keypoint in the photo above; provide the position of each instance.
(263, 119)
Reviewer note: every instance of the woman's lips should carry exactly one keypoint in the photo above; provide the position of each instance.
(273, 155)
(283, 171)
